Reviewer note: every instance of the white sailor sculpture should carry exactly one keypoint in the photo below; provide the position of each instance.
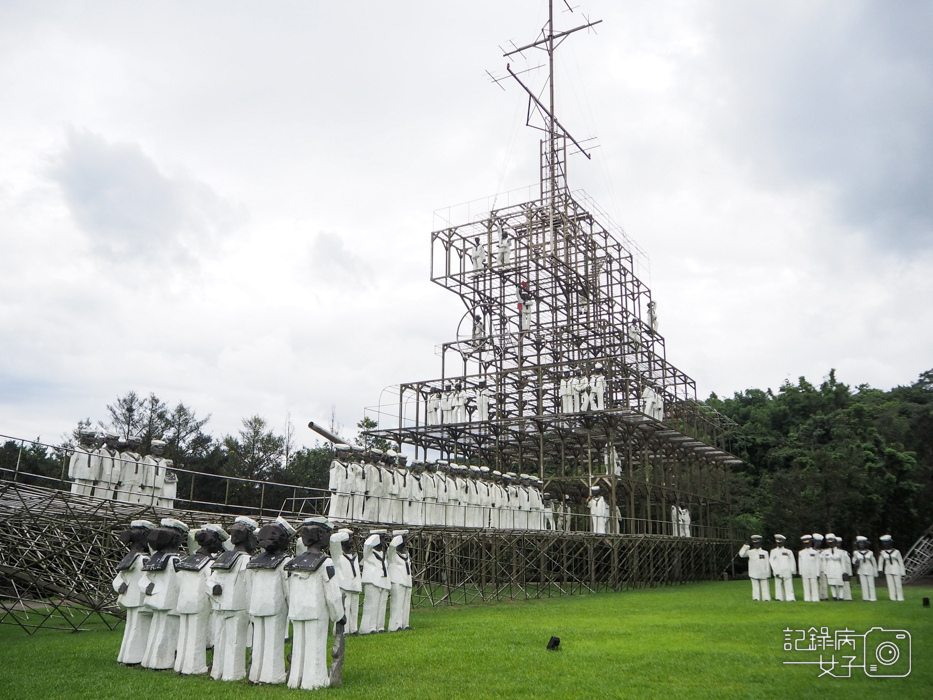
(314, 601)
(866, 566)
(759, 567)
(808, 566)
(268, 602)
(599, 511)
(159, 585)
(783, 566)
(129, 595)
(343, 552)
(84, 464)
(376, 583)
(228, 586)
(398, 561)
(194, 606)
(892, 566)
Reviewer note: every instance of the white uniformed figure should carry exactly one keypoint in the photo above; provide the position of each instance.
(169, 488)
(833, 566)
(228, 586)
(444, 486)
(433, 404)
(675, 520)
(634, 336)
(684, 518)
(84, 464)
(520, 502)
(599, 511)
(375, 488)
(892, 565)
(398, 560)
(376, 583)
(581, 392)
(504, 250)
(465, 490)
(549, 523)
(339, 483)
(458, 401)
(865, 565)
(566, 393)
(390, 508)
(653, 316)
(159, 585)
(447, 405)
(598, 389)
(537, 504)
(109, 466)
(653, 403)
(129, 595)
(194, 606)
(343, 552)
(759, 568)
(414, 506)
(357, 485)
(509, 516)
(429, 488)
(268, 602)
(564, 516)
(484, 489)
(314, 601)
(808, 566)
(454, 514)
(478, 255)
(470, 497)
(846, 570)
(153, 466)
(783, 566)
(818, 546)
(479, 329)
(131, 470)
(482, 402)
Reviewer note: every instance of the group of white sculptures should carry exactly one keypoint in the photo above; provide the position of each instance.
(229, 596)
(105, 466)
(376, 486)
(825, 567)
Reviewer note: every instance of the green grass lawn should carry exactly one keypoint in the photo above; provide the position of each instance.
(704, 640)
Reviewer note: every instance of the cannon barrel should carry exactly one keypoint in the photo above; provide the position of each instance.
(325, 433)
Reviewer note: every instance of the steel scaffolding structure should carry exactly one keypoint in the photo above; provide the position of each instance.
(552, 296)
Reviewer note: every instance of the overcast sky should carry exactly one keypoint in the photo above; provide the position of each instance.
(230, 203)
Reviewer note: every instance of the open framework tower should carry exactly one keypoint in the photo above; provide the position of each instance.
(559, 368)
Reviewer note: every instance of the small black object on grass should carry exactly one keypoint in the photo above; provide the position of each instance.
(554, 644)
(926, 602)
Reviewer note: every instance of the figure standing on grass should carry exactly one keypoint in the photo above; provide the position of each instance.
(314, 601)
(808, 565)
(865, 565)
(129, 595)
(892, 565)
(599, 511)
(759, 568)
(268, 602)
(194, 605)
(783, 566)
(833, 566)
(228, 585)
(159, 584)
(375, 583)
(399, 565)
(343, 552)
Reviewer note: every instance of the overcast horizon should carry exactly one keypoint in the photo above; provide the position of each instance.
(230, 204)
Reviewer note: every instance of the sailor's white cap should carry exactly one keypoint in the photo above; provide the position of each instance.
(523, 476)
(886, 538)
(158, 443)
(830, 536)
(285, 525)
(594, 488)
(88, 432)
(175, 524)
(391, 453)
(376, 451)
(341, 447)
(380, 531)
(249, 522)
(213, 527)
(806, 537)
(817, 536)
(346, 530)
(339, 536)
(861, 538)
(317, 521)
(755, 537)
(496, 472)
(779, 538)
(399, 533)
(475, 469)
(143, 523)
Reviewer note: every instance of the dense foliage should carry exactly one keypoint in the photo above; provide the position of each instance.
(830, 458)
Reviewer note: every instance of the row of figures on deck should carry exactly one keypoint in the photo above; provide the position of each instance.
(603, 522)
(105, 466)
(376, 486)
(825, 567)
(242, 590)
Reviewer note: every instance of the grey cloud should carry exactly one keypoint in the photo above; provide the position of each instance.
(332, 262)
(839, 95)
(129, 208)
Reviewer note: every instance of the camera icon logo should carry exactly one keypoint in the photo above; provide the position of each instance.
(887, 653)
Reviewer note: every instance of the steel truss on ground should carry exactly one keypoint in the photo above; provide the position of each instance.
(60, 551)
